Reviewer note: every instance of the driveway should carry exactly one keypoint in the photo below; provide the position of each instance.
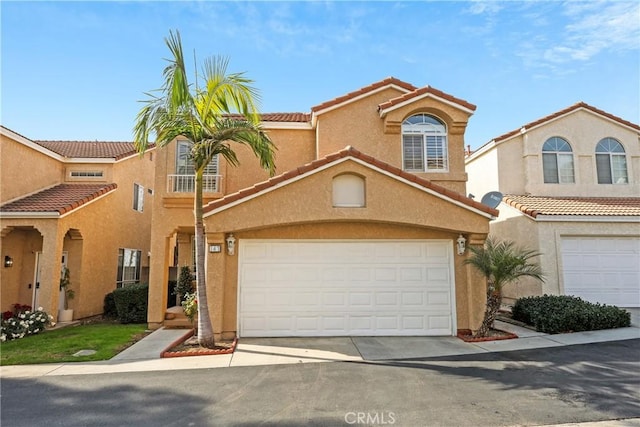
(568, 384)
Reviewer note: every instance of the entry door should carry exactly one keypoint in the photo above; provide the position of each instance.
(61, 298)
(35, 301)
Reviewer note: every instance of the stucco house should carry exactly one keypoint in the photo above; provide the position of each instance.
(571, 187)
(363, 231)
(78, 204)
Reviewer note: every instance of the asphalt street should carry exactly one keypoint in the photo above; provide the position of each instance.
(570, 384)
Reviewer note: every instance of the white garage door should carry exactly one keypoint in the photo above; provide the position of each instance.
(602, 269)
(338, 288)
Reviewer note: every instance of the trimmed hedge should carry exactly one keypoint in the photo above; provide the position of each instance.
(554, 314)
(131, 303)
(109, 309)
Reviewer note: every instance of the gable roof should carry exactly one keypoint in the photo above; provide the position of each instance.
(90, 149)
(424, 92)
(533, 206)
(347, 152)
(558, 114)
(66, 150)
(388, 82)
(56, 201)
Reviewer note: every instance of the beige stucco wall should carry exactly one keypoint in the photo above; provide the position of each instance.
(223, 288)
(545, 237)
(25, 170)
(288, 213)
(304, 208)
(520, 159)
(99, 228)
(359, 125)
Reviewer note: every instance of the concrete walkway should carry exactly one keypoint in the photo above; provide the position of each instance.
(145, 355)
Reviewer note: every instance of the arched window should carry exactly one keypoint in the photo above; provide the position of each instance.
(424, 144)
(557, 161)
(348, 191)
(611, 162)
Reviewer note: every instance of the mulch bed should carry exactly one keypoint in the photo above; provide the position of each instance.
(188, 346)
(494, 335)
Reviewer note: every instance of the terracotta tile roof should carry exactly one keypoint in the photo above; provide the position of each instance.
(90, 149)
(348, 152)
(582, 206)
(422, 91)
(280, 117)
(382, 83)
(60, 199)
(563, 112)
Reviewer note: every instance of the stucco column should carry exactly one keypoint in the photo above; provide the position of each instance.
(158, 279)
(215, 280)
(185, 257)
(50, 267)
(477, 286)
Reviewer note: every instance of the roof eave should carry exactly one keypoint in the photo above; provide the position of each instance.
(383, 111)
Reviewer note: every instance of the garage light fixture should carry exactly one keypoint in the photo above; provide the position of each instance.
(231, 244)
(462, 244)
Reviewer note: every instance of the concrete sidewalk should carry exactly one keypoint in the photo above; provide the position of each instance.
(145, 354)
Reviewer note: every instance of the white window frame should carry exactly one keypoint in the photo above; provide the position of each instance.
(138, 197)
(433, 137)
(184, 168)
(617, 161)
(129, 267)
(558, 149)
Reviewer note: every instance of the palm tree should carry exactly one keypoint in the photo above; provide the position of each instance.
(219, 110)
(501, 262)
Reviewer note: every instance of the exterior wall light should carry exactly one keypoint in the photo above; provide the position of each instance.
(231, 244)
(8, 261)
(461, 244)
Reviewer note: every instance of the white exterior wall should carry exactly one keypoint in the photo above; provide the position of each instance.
(484, 170)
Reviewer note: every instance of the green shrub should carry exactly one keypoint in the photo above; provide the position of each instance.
(554, 314)
(131, 303)
(109, 308)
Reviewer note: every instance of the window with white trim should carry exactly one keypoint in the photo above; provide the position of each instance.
(128, 267)
(611, 162)
(424, 144)
(185, 171)
(138, 197)
(557, 161)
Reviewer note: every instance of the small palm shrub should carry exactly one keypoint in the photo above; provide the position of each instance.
(554, 314)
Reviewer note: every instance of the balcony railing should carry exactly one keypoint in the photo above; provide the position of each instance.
(186, 183)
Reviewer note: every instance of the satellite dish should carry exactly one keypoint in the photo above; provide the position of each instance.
(492, 199)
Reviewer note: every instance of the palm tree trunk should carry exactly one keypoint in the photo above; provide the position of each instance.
(494, 301)
(205, 328)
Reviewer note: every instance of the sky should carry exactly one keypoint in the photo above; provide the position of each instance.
(77, 70)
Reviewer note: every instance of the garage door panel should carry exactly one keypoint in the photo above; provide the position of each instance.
(602, 269)
(347, 288)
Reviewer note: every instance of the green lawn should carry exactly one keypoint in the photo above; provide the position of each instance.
(59, 345)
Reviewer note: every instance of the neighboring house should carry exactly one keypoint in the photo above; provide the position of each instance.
(571, 186)
(83, 205)
(358, 234)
